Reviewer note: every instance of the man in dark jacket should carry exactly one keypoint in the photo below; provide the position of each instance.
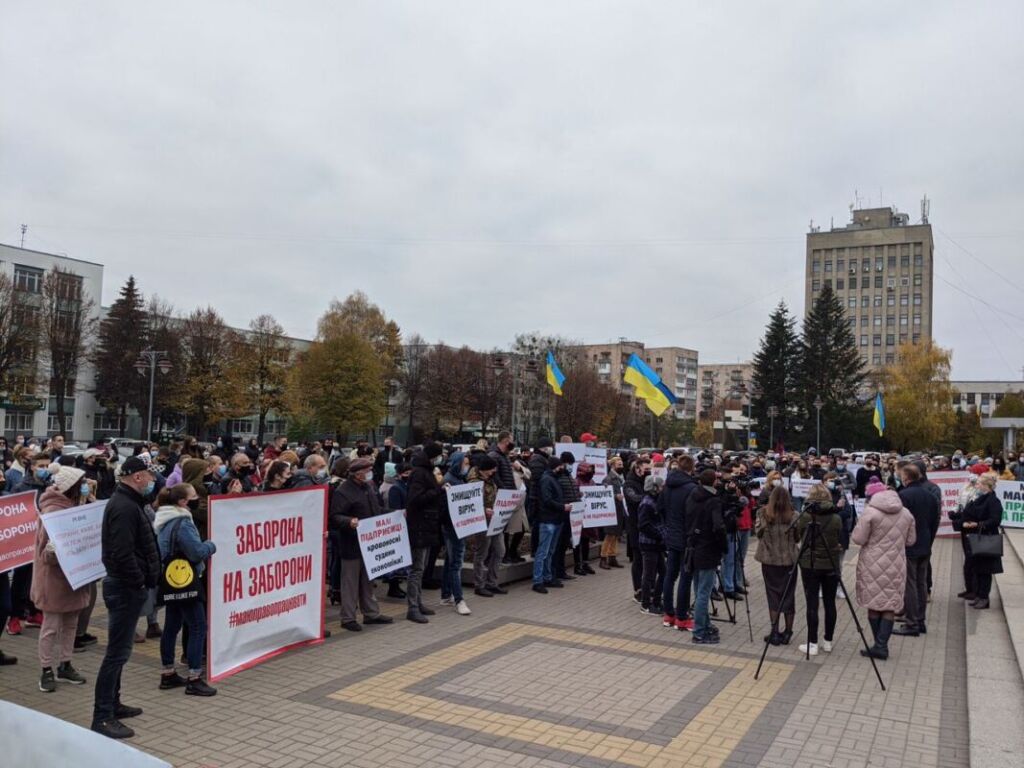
(926, 511)
(633, 490)
(388, 453)
(708, 540)
(239, 476)
(537, 465)
(313, 472)
(678, 487)
(505, 477)
(864, 475)
(424, 507)
(552, 514)
(353, 500)
(132, 561)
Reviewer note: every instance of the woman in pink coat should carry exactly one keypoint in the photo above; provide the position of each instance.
(883, 532)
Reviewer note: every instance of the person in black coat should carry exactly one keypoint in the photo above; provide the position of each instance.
(864, 475)
(984, 515)
(571, 494)
(633, 492)
(552, 514)
(538, 465)
(389, 453)
(132, 560)
(678, 487)
(926, 511)
(708, 543)
(505, 476)
(424, 507)
(352, 500)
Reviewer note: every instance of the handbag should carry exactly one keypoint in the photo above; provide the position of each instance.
(985, 544)
(178, 582)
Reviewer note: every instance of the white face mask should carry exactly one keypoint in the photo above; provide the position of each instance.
(776, 483)
(368, 477)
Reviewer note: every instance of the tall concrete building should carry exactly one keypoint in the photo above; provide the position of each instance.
(722, 383)
(881, 268)
(677, 367)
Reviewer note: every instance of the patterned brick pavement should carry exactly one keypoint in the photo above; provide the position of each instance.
(576, 677)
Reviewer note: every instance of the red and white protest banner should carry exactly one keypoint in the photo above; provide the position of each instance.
(466, 507)
(19, 520)
(266, 580)
(506, 503)
(951, 484)
(77, 537)
(600, 506)
(384, 543)
(576, 512)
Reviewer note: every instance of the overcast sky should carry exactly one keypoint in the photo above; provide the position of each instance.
(591, 169)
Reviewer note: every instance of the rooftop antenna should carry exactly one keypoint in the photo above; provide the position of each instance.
(926, 206)
(24, 229)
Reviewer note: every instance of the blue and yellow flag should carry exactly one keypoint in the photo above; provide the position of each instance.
(879, 419)
(648, 386)
(555, 376)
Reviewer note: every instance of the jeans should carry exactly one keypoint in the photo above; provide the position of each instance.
(704, 582)
(827, 582)
(414, 587)
(549, 536)
(455, 554)
(191, 614)
(123, 601)
(674, 570)
(735, 557)
(651, 584)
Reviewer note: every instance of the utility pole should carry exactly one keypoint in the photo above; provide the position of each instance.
(818, 405)
(148, 359)
(773, 411)
(24, 229)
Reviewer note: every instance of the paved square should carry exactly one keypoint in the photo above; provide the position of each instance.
(574, 678)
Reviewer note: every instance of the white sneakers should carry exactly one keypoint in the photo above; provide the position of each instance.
(826, 646)
(462, 609)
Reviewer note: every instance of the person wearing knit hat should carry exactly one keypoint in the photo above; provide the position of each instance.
(427, 502)
(51, 593)
(875, 486)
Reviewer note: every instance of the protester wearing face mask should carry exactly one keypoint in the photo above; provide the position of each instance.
(984, 514)
(132, 562)
(238, 479)
(426, 505)
(864, 475)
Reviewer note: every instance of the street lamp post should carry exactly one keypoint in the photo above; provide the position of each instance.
(818, 405)
(773, 411)
(150, 359)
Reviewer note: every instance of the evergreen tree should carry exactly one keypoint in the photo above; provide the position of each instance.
(775, 376)
(122, 337)
(830, 367)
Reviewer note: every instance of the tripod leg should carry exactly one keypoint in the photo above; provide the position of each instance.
(856, 620)
(740, 579)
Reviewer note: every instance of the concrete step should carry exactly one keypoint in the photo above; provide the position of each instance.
(995, 682)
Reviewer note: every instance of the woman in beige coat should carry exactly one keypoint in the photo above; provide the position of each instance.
(51, 592)
(883, 532)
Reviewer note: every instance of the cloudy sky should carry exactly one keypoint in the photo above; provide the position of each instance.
(594, 169)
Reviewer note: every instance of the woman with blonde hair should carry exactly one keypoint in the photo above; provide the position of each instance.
(776, 552)
(984, 515)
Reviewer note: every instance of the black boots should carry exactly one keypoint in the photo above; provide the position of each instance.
(883, 630)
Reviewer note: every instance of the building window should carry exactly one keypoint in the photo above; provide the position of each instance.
(879, 264)
(28, 279)
(240, 427)
(852, 302)
(892, 260)
(890, 339)
(876, 340)
(890, 358)
(840, 283)
(864, 320)
(106, 422)
(890, 282)
(917, 280)
(903, 338)
(815, 266)
(840, 264)
(878, 300)
(863, 339)
(18, 421)
(853, 283)
(877, 321)
(917, 319)
(878, 281)
(876, 359)
(828, 282)
(852, 322)
(917, 338)
(865, 300)
(816, 285)
(659, 360)
(904, 299)
(865, 265)
(904, 321)
(917, 299)
(890, 321)
(905, 262)
(828, 266)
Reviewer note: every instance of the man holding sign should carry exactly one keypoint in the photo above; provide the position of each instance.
(489, 547)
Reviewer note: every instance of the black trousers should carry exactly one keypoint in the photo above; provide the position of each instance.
(828, 583)
(653, 578)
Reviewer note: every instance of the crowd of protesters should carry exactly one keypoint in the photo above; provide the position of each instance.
(687, 520)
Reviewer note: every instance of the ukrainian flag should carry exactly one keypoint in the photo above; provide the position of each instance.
(648, 386)
(555, 376)
(879, 419)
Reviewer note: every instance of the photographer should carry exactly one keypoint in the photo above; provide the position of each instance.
(737, 516)
(818, 564)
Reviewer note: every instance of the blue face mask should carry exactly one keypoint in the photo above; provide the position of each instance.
(222, 470)
(148, 490)
(42, 474)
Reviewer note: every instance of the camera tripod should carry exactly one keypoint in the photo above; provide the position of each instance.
(810, 537)
(739, 580)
